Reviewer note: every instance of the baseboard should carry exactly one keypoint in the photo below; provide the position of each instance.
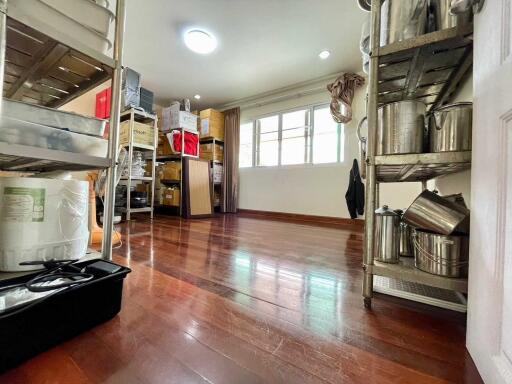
(325, 221)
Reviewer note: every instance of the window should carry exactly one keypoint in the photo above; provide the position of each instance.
(246, 135)
(301, 136)
(267, 152)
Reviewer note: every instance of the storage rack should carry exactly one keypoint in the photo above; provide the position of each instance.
(136, 115)
(32, 56)
(177, 157)
(427, 68)
(214, 141)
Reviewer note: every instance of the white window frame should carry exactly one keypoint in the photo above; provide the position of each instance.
(309, 138)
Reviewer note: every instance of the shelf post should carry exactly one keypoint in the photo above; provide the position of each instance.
(115, 117)
(3, 44)
(371, 187)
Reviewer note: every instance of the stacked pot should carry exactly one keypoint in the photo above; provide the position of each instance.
(434, 229)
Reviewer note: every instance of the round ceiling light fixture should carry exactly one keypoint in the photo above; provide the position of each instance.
(197, 97)
(324, 54)
(200, 41)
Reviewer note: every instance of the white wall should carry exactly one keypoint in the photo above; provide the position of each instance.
(310, 189)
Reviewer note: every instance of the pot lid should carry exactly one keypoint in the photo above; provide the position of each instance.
(386, 211)
(447, 107)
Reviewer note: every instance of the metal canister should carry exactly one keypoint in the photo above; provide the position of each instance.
(432, 212)
(387, 235)
(441, 255)
(402, 20)
(401, 127)
(406, 248)
(443, 18)
(451, 128)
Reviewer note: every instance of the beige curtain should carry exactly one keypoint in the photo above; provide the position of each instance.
(231, 149)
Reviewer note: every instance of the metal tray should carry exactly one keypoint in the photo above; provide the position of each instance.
(14, 131)
(86, 12)
(38, 14)
(53, 118)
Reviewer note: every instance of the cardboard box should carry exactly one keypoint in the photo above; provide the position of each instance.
(212, 124)
(173, 118)
(170, 171)
(142, 133)
(212, 152)
(164, 148)
(171, 196)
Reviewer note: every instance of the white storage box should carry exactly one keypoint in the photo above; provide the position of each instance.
(13, 131)
(42, 219)
(41, 16)
(217, 172)
(172, 119)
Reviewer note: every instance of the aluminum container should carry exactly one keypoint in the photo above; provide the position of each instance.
(406, 248)
(387, 235)
(451, 128)
(432, 212)
(14, 131)
(54, 118)
(442, 18)
(86, 12)
(401, 127)
(402, 20)
(38, 13)
(441, 255)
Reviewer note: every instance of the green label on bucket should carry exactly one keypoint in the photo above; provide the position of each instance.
(24, 204)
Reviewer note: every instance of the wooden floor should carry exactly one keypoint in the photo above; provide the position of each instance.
(243, 300)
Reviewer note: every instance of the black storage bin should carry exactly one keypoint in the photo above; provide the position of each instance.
(146, 100)
(33, 329)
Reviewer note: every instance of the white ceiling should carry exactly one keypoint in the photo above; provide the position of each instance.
(263, 45)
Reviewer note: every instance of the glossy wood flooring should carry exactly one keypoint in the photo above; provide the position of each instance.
(242, 300)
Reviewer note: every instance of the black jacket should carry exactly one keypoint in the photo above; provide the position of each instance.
(355, 192)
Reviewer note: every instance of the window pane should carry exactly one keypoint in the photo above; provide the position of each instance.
(293, 144)
(325, 141)
(268, 141)
(246, 145)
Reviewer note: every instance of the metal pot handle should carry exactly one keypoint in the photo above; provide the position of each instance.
(434, 258)
(361, 139)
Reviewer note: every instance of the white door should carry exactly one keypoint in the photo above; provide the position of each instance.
(489, 334)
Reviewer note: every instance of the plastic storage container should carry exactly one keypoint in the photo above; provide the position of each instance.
(32, 330)
(42, 219)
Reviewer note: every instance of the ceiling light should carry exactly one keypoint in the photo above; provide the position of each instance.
(324, 54)
(197, 97)
(200, 41)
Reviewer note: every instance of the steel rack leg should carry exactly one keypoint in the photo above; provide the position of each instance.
(115, 116)
(371, 185)
(3, 45)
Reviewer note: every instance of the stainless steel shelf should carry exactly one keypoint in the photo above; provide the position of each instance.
(136, 210)
(140, 178)
(140, 116)
(23, 158)
(44, 71)
(428, 68)
(405, 270)
(419, 167)
(140, 146)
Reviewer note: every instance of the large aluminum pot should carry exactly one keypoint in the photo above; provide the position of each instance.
(387, 235)
(451, 128)
(443, 18)
(402, 19)
(441, 255)
(432, 212)
(401, 127)
(362, 147)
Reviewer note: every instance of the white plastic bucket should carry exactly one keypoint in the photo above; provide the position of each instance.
(42, 219)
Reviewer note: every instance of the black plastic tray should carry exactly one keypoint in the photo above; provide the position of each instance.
(34, 329)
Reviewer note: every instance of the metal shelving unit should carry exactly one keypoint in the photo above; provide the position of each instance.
(44, 64)
(427, 68)
(136, 115)
(178, 157)
(218, 185)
